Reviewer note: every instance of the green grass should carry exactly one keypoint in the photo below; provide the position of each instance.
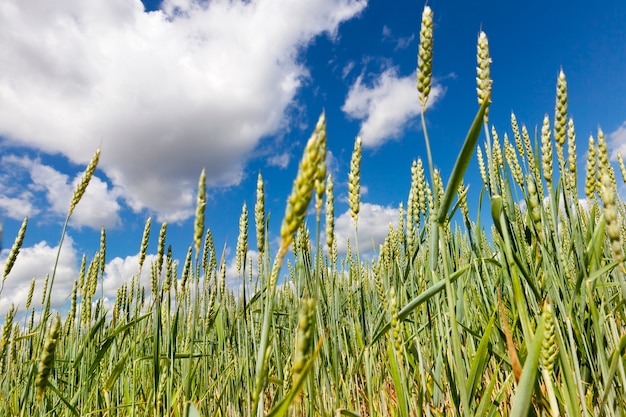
(526, 317)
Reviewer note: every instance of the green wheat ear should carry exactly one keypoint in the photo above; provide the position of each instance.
(330, 213)
(143, 249)
(354, 181)
(259, 214)
(301, 193)
(425, 57)
(560, 116)
(242, 240)
(483, 72)
(84, 182)
(15, 250)
(198, 228)
(45, 363)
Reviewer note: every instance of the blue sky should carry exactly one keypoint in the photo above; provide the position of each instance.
(166, 89)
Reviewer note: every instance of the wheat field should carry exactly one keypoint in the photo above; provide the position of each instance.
(521, 315)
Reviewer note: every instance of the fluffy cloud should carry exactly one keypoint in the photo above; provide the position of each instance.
(386, 107)
(372, 229)
(119, 271)
(617, 141)
(97, 208)
(163, 93)
(37, 261)
(280, 161)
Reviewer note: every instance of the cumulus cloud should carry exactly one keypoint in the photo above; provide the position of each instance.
(165, 93)
(119, 271)
(386, 107)
(98, 207)
(19, 206)
(617, 141)
(372, 229)
(37, 261)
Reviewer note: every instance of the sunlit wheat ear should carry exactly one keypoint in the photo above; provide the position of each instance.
(31, 290)
(549, 347)
(511, 159)
(84, 182)
(395, 322)
(81, 276)
(186, 270)
(6, 335)
(198, 225)
(102, 250)
(496, 163)
(354, 181)
(546, 150)
(400, 231)
(144, 242)
(425, 57)
(519, 144)
(47, 357)
(242, 240)
(603, 156)
(530, 156)
(535, 208)
(304, 333)
(571, 153)
(411, 216)
(210, 253)
(320, 177)
(330, 213)
(161, 249)
(483, 71)
(69, 321)
(462, 193)
(560, 116)
(259, 214)
(413, 202)
(481, 167)
(15, 250)
(497, 149)
(45, 288)
(591, 170)
(421, 188)
(303, 185)
(610, 216)
(167, 281)
(622, 167)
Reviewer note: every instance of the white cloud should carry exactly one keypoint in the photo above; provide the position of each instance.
(97, 208)
(347, 69)
(372, 229)
(118, 272)
(280, 161)
(617, 141)
(18, 207)
(386, 107)
(164, 93)
(405, 42)
(37, 261)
